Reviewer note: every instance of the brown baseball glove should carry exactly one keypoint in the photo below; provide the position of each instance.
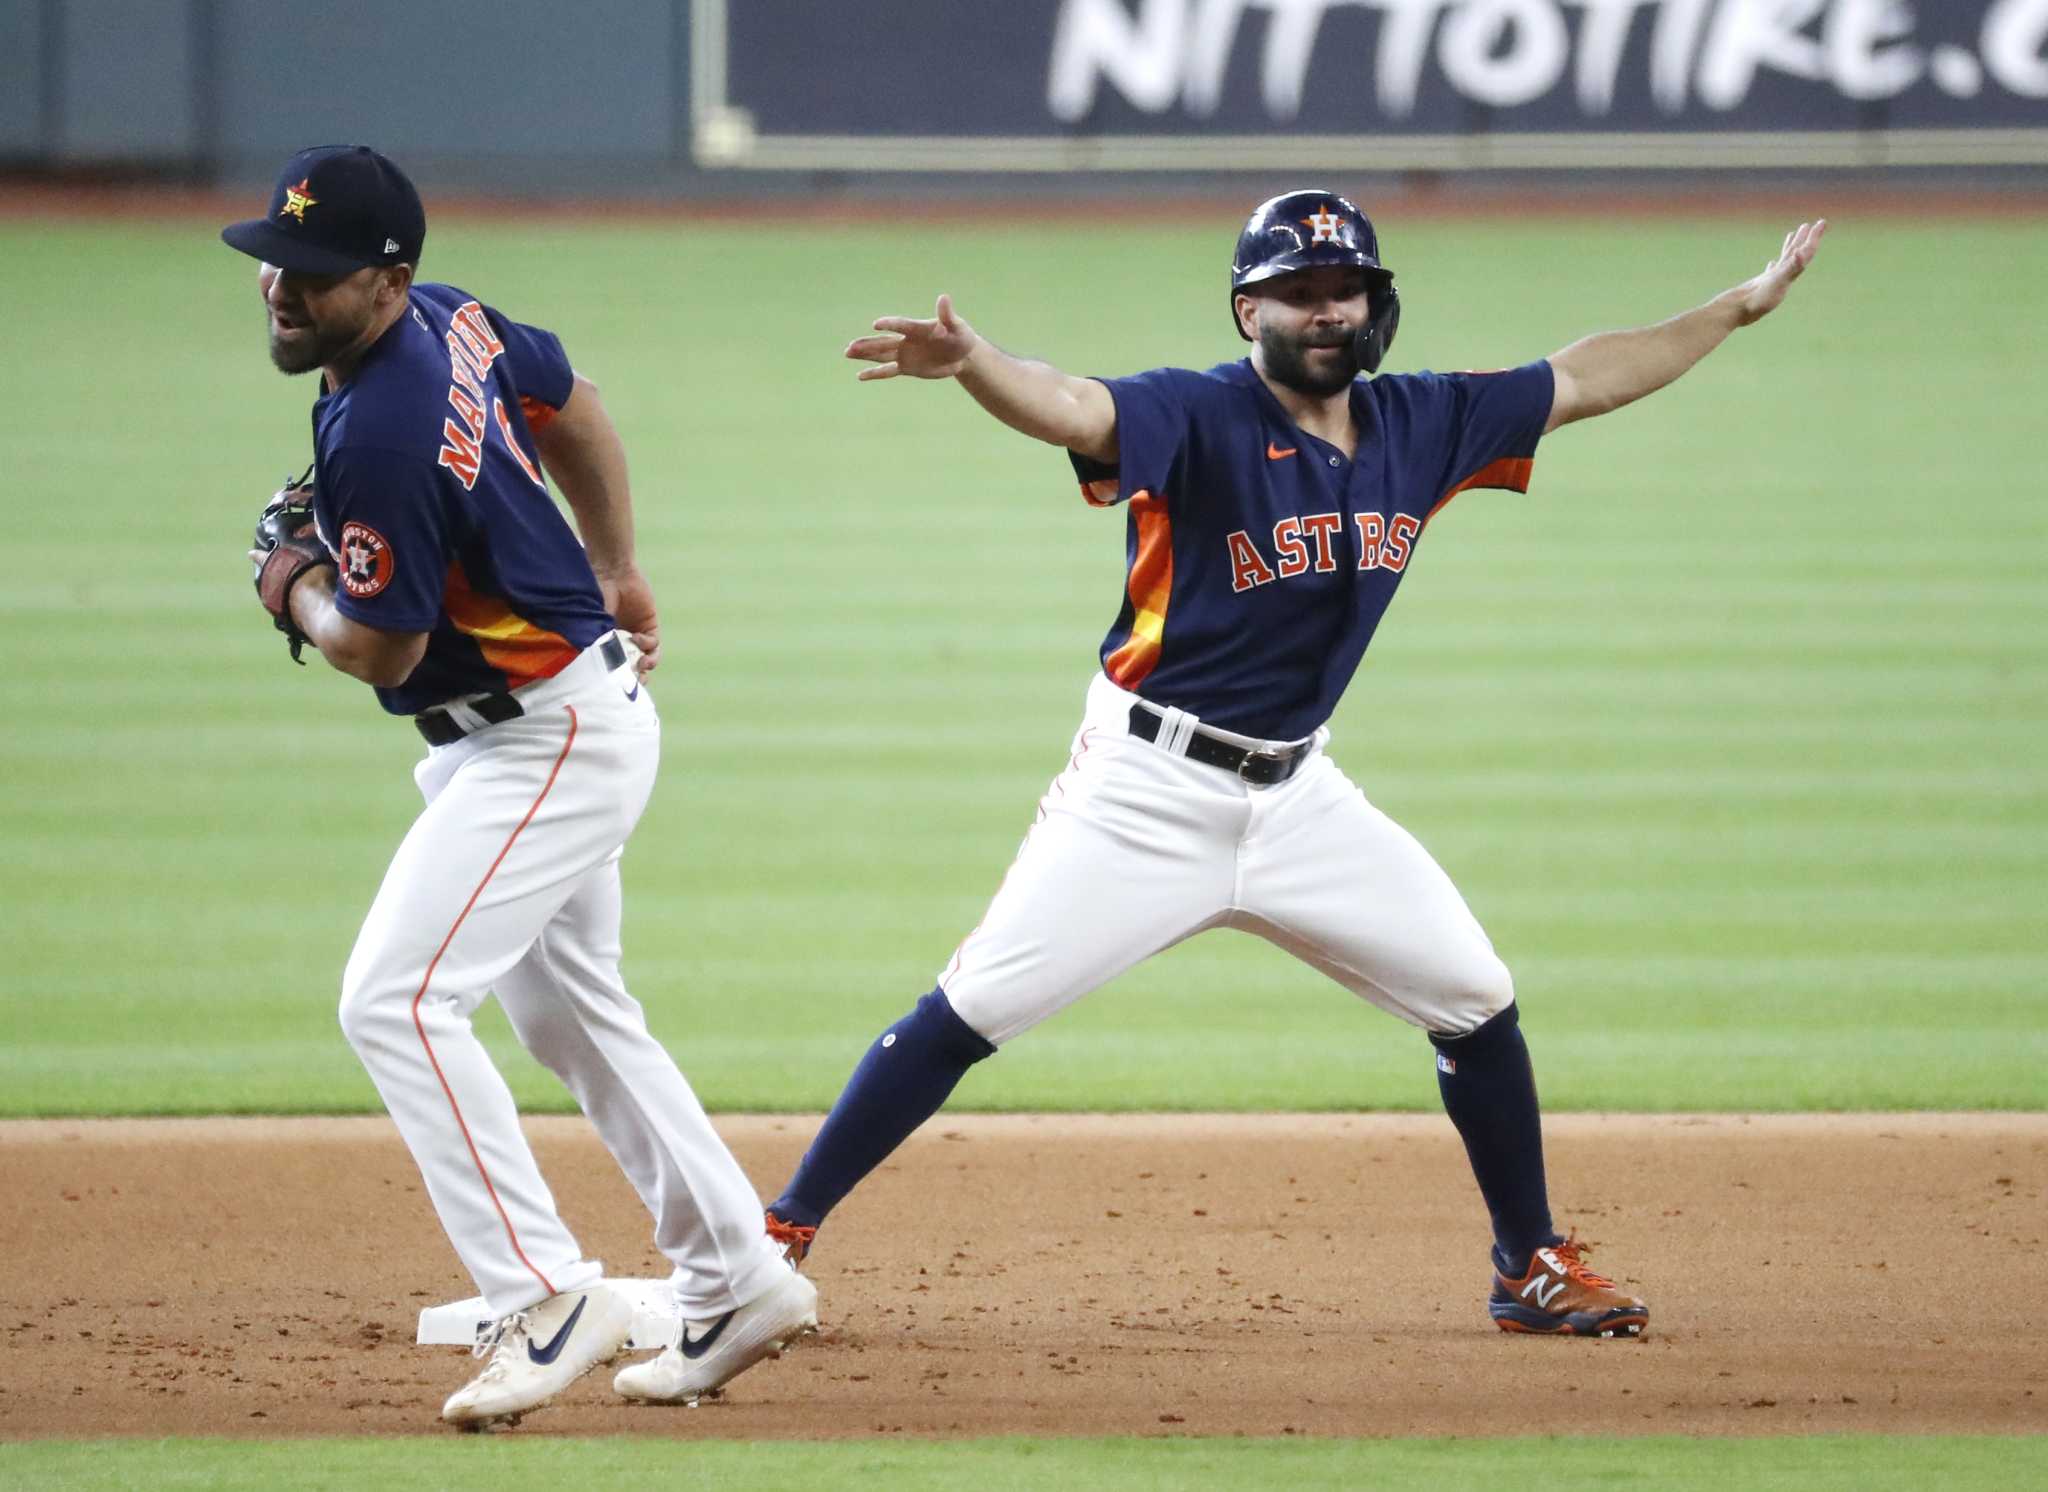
(287, 545)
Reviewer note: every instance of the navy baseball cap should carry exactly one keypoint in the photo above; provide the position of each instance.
(336, 209)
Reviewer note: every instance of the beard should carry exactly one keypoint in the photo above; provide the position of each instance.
(1287, 362)
(311, 348)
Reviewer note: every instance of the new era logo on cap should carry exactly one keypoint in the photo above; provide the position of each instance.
(365, 213)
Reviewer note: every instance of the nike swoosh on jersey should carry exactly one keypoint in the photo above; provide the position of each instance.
(1274, 453)
(545, 1355)
(696, 1349)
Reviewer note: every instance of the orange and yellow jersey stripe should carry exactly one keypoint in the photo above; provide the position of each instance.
(508, 642)
(1149, 591)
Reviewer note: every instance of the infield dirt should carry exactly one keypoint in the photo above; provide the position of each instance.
(1099, 1274)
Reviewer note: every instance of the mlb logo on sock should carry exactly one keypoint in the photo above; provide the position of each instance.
(1446, 1066)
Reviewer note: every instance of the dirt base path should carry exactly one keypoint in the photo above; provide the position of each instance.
(1200, 1275)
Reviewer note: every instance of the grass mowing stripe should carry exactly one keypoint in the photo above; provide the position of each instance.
(512, 1463)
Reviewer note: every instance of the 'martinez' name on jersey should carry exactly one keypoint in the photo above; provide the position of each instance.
(444, 525)
(472, 348)
(1260, 558)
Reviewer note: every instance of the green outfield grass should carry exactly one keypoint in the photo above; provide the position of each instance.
(508, 1464)
(1731, 731)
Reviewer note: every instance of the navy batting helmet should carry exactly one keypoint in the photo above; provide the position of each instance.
(1308, 230)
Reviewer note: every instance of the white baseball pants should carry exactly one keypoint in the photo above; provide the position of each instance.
(509, 881)
(1136, 848)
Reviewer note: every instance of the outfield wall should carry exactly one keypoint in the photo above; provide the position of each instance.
(663, 97)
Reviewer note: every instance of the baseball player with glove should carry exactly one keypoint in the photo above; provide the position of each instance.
(428, 559)
(1274, 505)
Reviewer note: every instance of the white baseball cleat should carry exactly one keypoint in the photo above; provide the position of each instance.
(537, 1353)
(706, 1355)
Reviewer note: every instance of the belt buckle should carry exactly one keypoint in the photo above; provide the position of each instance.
(1276, 758)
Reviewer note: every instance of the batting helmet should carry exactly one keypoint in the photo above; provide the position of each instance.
(1308, 230)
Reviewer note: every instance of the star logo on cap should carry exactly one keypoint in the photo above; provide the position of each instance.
(1325, 223)
(298, 198)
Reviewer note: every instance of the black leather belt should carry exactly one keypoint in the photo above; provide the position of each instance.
(443, 729)
(1259, 768)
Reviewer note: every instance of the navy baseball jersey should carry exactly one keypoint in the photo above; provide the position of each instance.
(1260, 558)
(428, 490)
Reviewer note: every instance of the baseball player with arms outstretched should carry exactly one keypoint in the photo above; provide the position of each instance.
(432, 563)
(1274, 505)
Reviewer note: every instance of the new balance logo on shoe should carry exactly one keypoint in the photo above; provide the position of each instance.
(696, 1349)
(553, 1350)
(1560, 1296)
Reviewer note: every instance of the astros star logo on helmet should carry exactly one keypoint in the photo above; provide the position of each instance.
(1325, 223)
(298, 198)
(366, 561)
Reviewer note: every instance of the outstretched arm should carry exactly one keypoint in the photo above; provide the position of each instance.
(1601, 373)
(1033, 397)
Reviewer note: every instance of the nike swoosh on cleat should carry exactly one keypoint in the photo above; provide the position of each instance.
(553, 1350)
(696, 1349)
(1274, 453)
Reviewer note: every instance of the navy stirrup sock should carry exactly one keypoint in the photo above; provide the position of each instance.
(903, 1080)
(1489, 1090)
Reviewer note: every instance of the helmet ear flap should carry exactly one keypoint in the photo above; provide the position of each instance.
(1237, 320)
(1382, 320)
